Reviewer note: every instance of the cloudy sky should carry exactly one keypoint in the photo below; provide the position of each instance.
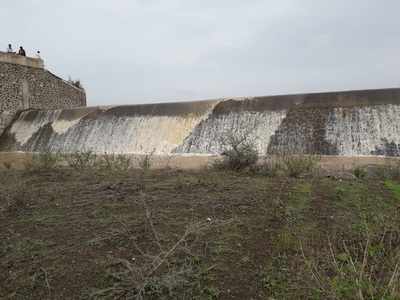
(142, 51)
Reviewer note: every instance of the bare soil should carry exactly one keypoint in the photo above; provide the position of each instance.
(72, 234)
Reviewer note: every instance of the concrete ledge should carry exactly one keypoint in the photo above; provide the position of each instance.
(16, 59)
(19, 161)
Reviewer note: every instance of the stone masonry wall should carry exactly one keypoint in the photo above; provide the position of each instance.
(23, 87)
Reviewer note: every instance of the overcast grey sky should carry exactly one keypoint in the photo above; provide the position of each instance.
(141, 51)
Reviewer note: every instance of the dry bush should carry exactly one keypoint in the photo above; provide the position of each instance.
(239, 153)
(145, 162)
(287, 165)
(7, 165)
(166, 271)
(77, 83)
(43, 161)
(298, 165)
(359, 269)
(387, 171)
(360, 172)
(270, 167)
(115, 162)
(88, 160)
(82, 160)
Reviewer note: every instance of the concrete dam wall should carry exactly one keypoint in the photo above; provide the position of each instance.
(26, 84)
(350, 123)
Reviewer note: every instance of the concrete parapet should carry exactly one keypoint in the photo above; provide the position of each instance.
(16, 59)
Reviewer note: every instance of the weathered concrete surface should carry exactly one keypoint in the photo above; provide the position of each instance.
(353, 123)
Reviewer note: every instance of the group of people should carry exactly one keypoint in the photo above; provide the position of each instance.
(21, 51)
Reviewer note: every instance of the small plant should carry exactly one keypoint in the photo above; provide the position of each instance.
(297, 165)
(360, 173)
(76, 83)
(82, 160)
(145, 162)
(239, 154)
(18, 204)
(387, 171)
(7, 165)
(340, 193)
(43, 161)
(115, 162)
(394, 187)
(270, 167)
(368, 269)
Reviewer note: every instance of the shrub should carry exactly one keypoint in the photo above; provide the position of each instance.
(164, 271)
(43, 161)
(7, 165)
(145, 162)
(238, 155)
(387, 171)
(394, 187)
(270, 167)
(363, 269)
(81, 160)
(76, 83)
(115, 162)
(297, 165)
(360, 172)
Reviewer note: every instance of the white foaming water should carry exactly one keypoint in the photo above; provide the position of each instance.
(210, 135)
(362, 130)
(139, 134)
(62, 126)
(105, 133)
(24, 128)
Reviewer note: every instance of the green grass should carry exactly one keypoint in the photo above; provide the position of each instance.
(394, 187)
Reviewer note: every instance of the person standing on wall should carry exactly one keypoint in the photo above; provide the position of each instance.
(10, 49)
(22, 51)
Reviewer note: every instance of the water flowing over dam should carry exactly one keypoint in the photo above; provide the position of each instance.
(349, 123)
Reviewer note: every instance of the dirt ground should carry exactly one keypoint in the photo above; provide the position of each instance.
(167, 234)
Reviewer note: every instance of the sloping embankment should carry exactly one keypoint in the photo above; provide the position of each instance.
(343, 123)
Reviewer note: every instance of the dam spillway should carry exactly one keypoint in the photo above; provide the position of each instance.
(351, 123)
